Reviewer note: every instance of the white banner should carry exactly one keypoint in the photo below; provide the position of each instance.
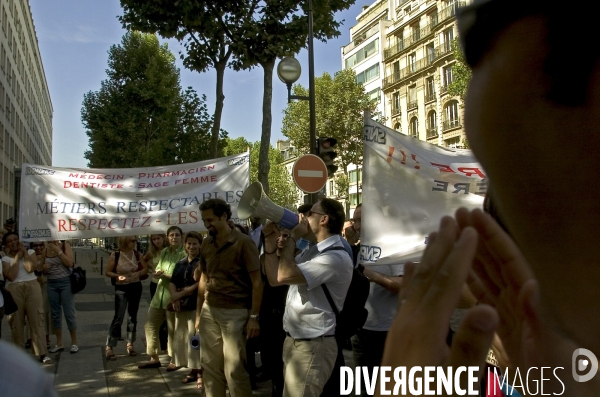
(408, 186)
(65, 203)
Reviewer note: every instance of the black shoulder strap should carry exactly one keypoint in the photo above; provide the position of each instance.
(330, 300)
(117, 254)
(325, 289)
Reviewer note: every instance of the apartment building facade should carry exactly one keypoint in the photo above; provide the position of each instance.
(25, 105)
(418, 61)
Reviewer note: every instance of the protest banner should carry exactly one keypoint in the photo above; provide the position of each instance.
(64, 203)
(408, 186)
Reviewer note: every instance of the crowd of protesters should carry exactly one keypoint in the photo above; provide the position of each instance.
(520, 279)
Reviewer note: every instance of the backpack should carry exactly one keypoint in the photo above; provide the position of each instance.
(113, 280)
(354, 314)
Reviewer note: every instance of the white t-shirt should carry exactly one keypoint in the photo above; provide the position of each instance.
(382, 304)
(23, 274)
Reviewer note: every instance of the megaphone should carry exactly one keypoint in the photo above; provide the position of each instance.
(254, 202)
(195, 342)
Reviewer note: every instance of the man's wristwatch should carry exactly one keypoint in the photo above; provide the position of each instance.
(255, 317)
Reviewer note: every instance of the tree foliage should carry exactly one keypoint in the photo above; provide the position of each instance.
(279, 28)
(237, 33)
(207, 29)
(340, 102)
(140, 116)
(283, 189)
(461, 72)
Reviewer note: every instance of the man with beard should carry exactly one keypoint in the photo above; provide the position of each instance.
(233, 286)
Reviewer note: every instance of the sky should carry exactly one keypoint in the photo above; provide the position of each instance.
(74, 37)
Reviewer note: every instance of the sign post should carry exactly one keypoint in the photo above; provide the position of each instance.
(310, 173)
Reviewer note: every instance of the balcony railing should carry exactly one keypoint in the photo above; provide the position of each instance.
(412, 105)
(358, 41)
(402, 44)
(415, 67)
(449, 124)
(396, 111)
(430, 97)
(443, 89)
(432, 132)
(449, 11)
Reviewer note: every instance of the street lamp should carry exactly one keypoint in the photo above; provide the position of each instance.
(289, 71)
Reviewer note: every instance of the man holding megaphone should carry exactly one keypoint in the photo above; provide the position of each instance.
(310, 348)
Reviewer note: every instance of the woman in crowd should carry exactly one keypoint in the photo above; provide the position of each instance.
(183, 290)
(38, 247)
(157, 313)
(18, 266)
(158, 242)
(125, 266)
(57, 262)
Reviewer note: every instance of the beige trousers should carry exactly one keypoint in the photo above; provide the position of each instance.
(183, 354)
(223, 351)
(307, 365)
(28, 297)
(152, 328)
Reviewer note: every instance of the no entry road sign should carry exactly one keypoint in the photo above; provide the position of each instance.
(310, 173)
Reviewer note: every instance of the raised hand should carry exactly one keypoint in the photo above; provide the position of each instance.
(431, 291)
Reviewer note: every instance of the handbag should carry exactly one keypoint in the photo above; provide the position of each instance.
(184, 303)
(78, 279)
(10, 306)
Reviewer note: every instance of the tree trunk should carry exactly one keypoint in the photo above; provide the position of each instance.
(265, 138)
(216, 127)
(347, 200)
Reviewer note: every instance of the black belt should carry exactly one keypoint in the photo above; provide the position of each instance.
(309, 339)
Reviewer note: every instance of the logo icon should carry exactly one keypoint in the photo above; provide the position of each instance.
(584, 360)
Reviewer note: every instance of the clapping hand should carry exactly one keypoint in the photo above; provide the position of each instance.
(431, 291)
(502, 278)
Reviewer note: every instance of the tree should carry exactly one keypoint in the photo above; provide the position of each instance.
(461, 73)
(140, 116)
(207, 29)
(340, 103)
(278, 28)
(283, 189)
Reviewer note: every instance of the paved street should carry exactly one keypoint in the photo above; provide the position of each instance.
(87, 372)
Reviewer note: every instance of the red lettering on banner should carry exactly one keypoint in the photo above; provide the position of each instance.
(61, 225)
(442, 167)
(471, 171)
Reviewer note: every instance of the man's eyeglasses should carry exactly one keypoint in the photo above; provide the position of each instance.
(480, 23)
(310, 212)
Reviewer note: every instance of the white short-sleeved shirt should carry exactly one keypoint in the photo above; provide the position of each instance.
(307, 312)
(23, 274)
(382, 304)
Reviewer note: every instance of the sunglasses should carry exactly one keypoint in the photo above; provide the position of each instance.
(480, 23)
